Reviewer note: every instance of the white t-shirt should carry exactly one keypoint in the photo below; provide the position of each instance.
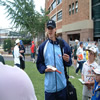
(86, 70)
(16, 55)
(79, 51)
(15, 84)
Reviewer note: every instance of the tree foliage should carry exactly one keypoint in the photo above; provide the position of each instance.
(23, 16)
(7, 45)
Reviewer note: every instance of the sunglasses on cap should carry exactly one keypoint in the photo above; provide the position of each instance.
(91, 53)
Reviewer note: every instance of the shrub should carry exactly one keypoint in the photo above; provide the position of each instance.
(7, 45)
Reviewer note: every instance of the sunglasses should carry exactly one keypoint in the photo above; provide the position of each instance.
(91, 53)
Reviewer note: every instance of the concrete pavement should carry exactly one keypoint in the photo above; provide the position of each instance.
(9, 57)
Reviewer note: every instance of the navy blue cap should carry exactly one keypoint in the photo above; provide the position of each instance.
(51, 23)
(81, 43)
(21, 42)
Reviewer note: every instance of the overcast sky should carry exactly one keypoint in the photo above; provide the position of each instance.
(5, 23)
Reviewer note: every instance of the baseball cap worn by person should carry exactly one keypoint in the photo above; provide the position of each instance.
(76, 40)
(97, 70)
(51, 23)
(92, 49)
(17, 41)
(81, 43)
(89, 46)
(32, 41)
(21, 42)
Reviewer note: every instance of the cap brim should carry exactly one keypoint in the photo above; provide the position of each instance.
(96, 72)
(90, 50)
(50, 26)
(76, 41)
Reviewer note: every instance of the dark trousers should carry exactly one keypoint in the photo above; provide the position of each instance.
(18, 65)
(33, 55)
(80, 66)
(61, 95)
(22, 63)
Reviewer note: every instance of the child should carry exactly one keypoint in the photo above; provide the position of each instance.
(88, 66)
(96, 90)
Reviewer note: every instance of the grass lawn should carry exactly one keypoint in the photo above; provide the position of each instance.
(38, 80)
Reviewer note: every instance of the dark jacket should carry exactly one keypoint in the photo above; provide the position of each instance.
(40, 59)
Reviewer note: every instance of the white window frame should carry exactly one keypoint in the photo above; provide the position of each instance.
(70, 9)
(59, 15)
(76, 6)
(53, 5)
(54, 18)
(73, 8)
(59, 1)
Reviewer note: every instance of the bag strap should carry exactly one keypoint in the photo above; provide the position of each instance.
(65, 69)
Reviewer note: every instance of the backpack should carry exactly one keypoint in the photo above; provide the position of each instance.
(71, 91)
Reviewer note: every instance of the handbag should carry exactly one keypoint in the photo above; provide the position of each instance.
(71, 90)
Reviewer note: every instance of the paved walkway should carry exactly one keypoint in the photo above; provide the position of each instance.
(9, 57)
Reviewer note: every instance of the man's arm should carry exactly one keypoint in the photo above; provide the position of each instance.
(67, 55)
(40, 60)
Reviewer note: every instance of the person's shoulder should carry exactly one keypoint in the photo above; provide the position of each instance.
(15, 47)
(65, 43)
(85, 64)
(43, 43)
(18, 80)
(12, 70)
(79, 48)
(94, 64)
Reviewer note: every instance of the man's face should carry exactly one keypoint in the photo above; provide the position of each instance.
(51, 32)
(18, 44)
(76, 42)
(91, 55)
(81, 45)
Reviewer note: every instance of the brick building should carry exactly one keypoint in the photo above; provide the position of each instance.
(73, 18)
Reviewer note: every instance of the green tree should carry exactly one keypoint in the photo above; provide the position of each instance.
(40, 28)
(22, 13)
(7, 45)
(23, 16)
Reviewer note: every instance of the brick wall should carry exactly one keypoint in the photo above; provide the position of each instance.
(83, 14)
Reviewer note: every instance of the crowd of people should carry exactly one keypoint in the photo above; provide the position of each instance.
(87, 60)
(51, 61)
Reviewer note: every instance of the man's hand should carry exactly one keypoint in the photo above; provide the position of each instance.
(89, 84)
(66, 57)
(49, 70)
(21, 51)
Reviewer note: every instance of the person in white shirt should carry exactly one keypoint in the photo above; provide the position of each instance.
(79, 54)
(87, 73)
(17, 53)
(15, 84)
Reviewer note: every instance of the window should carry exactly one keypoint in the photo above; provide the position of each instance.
(54, 18)
(69, 9)
(53, 5)
(72, 8)
(76, 6)
(59, 15)
(51, 8)
(59, 1)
